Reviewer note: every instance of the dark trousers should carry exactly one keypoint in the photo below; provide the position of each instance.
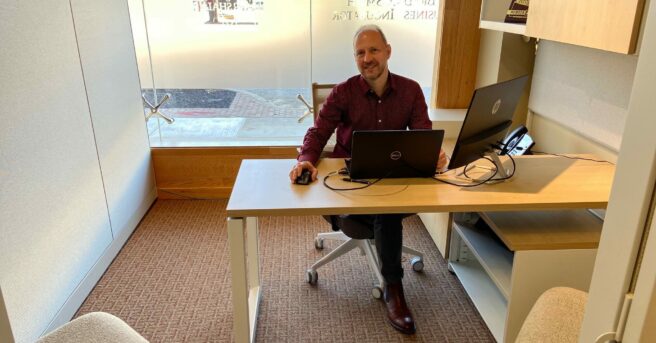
(386, 230)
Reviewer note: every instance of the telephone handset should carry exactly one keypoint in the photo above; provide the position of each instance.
(518, 142)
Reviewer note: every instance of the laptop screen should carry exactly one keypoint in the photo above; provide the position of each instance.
(394, 153)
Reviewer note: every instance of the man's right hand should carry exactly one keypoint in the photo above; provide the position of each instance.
(298, 169)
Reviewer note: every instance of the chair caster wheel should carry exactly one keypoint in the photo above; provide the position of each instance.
(417, 264)
(311, 276)
(377, 292)
(318, 243)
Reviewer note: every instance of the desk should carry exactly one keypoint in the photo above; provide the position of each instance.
(262, 188)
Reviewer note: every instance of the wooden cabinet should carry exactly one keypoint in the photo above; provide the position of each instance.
(601, 24)
(507, 259)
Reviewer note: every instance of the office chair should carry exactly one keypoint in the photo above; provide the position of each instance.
(356, 234)
(319, 94)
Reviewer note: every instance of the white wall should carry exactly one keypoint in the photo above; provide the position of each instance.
(586, 90)
(112, 83)
(74, 166)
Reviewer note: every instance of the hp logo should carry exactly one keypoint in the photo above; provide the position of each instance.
(495, 107)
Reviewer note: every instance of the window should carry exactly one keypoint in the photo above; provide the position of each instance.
(233, 70)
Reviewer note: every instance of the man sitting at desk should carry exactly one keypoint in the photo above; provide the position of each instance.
(374, 100)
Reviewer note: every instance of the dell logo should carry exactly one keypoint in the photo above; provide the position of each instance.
(495, 107)
(395, 155)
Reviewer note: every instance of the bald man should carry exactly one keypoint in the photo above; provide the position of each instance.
(374, 100)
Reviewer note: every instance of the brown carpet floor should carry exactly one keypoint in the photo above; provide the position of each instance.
(171, 283)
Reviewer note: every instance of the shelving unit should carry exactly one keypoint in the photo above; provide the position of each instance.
(495, 259)
(489, 302)
(581, 22)
(504, 269)
(493, 14)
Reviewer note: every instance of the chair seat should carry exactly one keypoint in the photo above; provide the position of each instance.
(353, 226)
(95, 327)
(556, 316)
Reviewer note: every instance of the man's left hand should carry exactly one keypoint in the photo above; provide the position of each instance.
(442, 161)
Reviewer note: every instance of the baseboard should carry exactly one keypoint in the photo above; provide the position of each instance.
(75, 300)
(194, 192)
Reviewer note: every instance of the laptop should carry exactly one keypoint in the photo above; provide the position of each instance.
(394, 153)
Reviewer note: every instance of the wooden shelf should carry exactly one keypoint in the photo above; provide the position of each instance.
(491, 254)
(519, 29)
(545, 230)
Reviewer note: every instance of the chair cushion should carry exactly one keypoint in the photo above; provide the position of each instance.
(357, 226)
(95, 327)
(556, 316)
(354, 226)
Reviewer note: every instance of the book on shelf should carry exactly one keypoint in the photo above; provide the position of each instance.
(517, 12)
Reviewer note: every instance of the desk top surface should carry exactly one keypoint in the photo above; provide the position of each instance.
(540, 183)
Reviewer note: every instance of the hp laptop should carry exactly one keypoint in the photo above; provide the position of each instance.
(394, 153)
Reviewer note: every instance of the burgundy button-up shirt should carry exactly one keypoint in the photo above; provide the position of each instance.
(353, 105)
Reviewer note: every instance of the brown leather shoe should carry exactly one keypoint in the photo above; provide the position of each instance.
(398, 313)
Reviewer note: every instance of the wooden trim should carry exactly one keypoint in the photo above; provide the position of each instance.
(456, 53)
(205, 173)
(545, 230)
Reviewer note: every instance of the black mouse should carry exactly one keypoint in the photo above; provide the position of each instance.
(305, 177)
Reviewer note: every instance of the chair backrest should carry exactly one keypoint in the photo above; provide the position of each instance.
(319, 94)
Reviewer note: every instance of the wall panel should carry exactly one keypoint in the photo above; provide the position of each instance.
(584, 89)
(55, 223)
(106, 48)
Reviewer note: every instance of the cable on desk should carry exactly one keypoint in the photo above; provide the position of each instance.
(491, 178)
(339, 172)
(571, 157)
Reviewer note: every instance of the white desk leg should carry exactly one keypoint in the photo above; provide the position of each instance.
(245, 282)
(253, 256)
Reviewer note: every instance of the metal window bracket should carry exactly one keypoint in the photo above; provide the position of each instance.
(154, 109)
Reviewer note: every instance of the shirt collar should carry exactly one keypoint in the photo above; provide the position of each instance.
(391, 84)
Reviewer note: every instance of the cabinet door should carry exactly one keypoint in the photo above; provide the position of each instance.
(602, 24)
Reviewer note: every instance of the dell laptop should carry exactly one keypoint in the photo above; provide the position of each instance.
(394, 153)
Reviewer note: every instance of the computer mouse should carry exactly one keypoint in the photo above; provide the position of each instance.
(305, 178)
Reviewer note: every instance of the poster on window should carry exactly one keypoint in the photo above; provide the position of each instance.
(229, 12)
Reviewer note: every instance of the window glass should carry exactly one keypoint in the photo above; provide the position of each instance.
(233, 70)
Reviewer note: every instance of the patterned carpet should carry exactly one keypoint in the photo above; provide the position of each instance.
(171, 282)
